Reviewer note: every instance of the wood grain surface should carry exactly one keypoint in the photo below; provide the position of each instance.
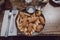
(50, 28)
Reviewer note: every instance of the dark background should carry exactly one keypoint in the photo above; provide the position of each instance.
(30, 38)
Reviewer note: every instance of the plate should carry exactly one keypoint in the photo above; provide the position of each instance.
(34, 17)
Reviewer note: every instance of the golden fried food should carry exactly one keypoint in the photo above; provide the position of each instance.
(22, 14)
(33, 19)
(42, 20)
(39, 28)
(37, 22)
(26, 14)
(30, 23)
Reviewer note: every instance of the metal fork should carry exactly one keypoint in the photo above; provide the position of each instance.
(14, 14)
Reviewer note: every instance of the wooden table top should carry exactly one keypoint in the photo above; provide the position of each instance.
(48, 29)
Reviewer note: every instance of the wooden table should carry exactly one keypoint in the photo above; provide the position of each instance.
(50, 28)
(52, 17)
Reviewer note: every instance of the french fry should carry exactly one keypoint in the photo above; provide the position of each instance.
(22, 14)
(37, 22)
(34, 27)
(33, 19)
(26, 14)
